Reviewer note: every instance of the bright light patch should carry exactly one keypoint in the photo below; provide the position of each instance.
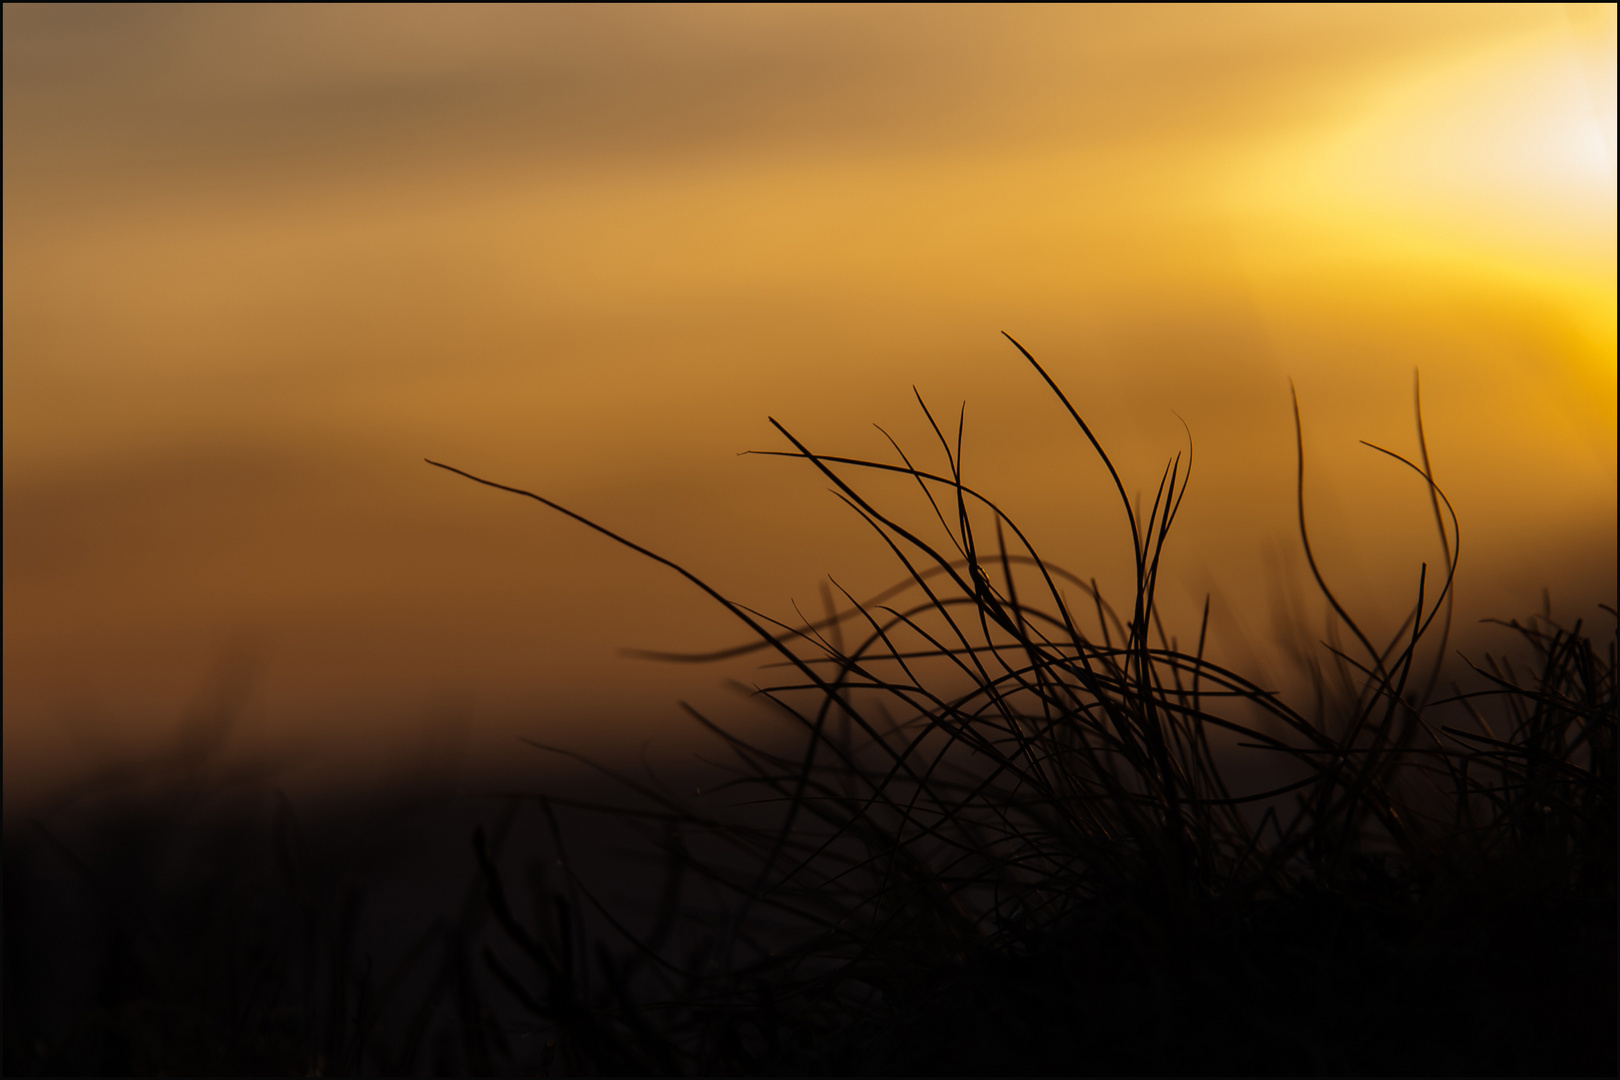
(1507, 154)
(1508, 151)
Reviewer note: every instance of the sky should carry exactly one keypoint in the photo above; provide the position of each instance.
(260, 261)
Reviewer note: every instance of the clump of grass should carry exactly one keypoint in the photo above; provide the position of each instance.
(1003, 841)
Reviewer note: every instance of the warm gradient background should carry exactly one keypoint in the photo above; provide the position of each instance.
(261, 260)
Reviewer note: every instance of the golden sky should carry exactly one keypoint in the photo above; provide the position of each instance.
(261, 260)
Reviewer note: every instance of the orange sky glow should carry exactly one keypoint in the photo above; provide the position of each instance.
(260, 261)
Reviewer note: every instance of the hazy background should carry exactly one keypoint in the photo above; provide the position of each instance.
(261, 260)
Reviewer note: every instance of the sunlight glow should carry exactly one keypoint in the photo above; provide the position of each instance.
(1495, 166)
(1502, 150)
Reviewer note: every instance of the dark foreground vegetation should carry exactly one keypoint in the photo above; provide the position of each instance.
(1003, 838)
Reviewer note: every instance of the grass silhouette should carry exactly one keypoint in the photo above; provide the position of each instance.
(1004, 842)
(999, 836)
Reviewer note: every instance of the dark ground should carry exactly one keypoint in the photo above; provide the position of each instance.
(222, 930)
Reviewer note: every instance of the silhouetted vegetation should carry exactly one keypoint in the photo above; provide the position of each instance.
(1000, 838)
